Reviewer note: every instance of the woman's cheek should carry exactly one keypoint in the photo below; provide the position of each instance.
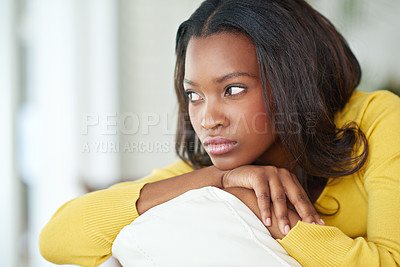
(261, 123)
(195, 120)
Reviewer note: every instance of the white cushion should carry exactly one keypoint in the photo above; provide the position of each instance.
(202, 227)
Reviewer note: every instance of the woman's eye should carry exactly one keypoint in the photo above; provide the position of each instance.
(193, 97)
(234, 90)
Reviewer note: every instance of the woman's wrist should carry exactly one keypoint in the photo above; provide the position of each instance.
(223, 174)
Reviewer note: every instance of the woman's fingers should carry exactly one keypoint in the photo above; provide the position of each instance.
(312, 211)
(278, 197)
(298, 197)
(264, 203)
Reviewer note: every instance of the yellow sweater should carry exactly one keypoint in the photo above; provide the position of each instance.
(364, 232)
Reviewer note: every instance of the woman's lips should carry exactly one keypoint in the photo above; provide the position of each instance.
(218, 145)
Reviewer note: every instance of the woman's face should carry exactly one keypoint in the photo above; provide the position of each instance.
(226, 106)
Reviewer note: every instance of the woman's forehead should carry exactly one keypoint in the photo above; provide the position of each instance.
(220, 54)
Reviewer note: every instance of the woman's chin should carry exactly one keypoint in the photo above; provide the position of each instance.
(225, 164)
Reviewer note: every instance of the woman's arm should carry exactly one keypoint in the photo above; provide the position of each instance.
(153, 194)
(83, 230)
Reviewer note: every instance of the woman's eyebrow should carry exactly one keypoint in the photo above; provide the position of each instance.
(225, 77)
(233, 75)
(189, 82)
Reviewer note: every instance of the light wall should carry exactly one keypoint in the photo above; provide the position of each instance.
(372, 30)
(10, 198)
(147, 42)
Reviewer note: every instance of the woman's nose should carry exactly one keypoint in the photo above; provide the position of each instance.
(213, 116)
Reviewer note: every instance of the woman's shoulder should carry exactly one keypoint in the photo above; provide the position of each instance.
(379, 96)
(178, 167)
(365, 107)
(174, 169)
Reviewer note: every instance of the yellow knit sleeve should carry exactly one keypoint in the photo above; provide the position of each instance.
(315, 245)
(82, 231)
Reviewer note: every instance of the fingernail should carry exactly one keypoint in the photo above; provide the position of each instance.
(322, 222)
(313, 222)
(287, 229)
(268, 222)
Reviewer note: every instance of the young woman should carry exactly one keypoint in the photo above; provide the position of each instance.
(267, 102)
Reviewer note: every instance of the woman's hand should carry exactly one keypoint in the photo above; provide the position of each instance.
(272, 183)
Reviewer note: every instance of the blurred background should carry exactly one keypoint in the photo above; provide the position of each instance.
(87, 97)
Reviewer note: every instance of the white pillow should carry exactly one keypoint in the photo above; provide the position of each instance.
(202, 227)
